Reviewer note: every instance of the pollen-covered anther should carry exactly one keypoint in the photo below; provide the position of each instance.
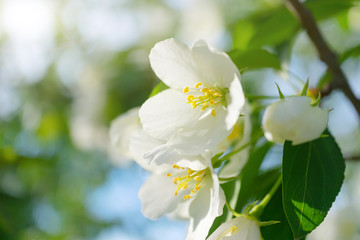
(187, 197)
(186, 90)
(198, 85)
(204, 90)
(233, 229)
(190, 98)
(197, 178)
(213, 112)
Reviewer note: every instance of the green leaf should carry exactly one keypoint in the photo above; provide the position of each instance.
(242, 34)
(249, 174)
(352, 52)
(158, 88)
(265, 181)
(274, 28)
(313, 173)
(274, 211)
(256, 58)
(328, 8)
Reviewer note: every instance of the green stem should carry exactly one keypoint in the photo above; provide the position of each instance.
(232, 210)
(258, 209)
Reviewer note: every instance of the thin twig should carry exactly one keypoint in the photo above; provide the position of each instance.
(354, 158)
(326, 54)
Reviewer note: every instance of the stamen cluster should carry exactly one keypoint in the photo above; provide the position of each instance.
(188, 179)
(210, 98)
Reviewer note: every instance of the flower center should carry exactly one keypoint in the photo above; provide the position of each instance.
(186, 180)
(204, 97)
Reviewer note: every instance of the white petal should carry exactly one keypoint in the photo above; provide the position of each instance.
(181, 212)
(235, 102)
(165, 113)
(247, 229)
(235, 164)
(141, 143)
(157, 196)
(207, 205)
(163, 154)
(196, 164)
(254, 231)
(216, 64)
(217, 234)
(238, 161)
(294, 119)
(172, 62)
(207, 133)
(121, 129)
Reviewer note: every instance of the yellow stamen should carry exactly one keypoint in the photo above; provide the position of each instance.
(233, 229)
(198, 85)
(197, 178)
(184, 181)
(213, 113)
(187, 197)
(206, 97)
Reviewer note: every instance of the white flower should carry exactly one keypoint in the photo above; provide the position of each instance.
(294, 119)
(188, 189)
(203, 102)
(183, 186)
(240, 228)
(165, 190)
(121, 130)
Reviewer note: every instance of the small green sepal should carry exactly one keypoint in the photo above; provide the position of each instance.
(317, 101)
(280, 93)
(249, 207)
(243, 69)
(305, 88)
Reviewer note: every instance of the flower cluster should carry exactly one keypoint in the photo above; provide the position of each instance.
(177, 133)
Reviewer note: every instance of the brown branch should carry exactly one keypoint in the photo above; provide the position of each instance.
(325, 53)
(354, 158)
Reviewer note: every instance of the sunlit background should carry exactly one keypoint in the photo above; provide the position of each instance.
(68, 67)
